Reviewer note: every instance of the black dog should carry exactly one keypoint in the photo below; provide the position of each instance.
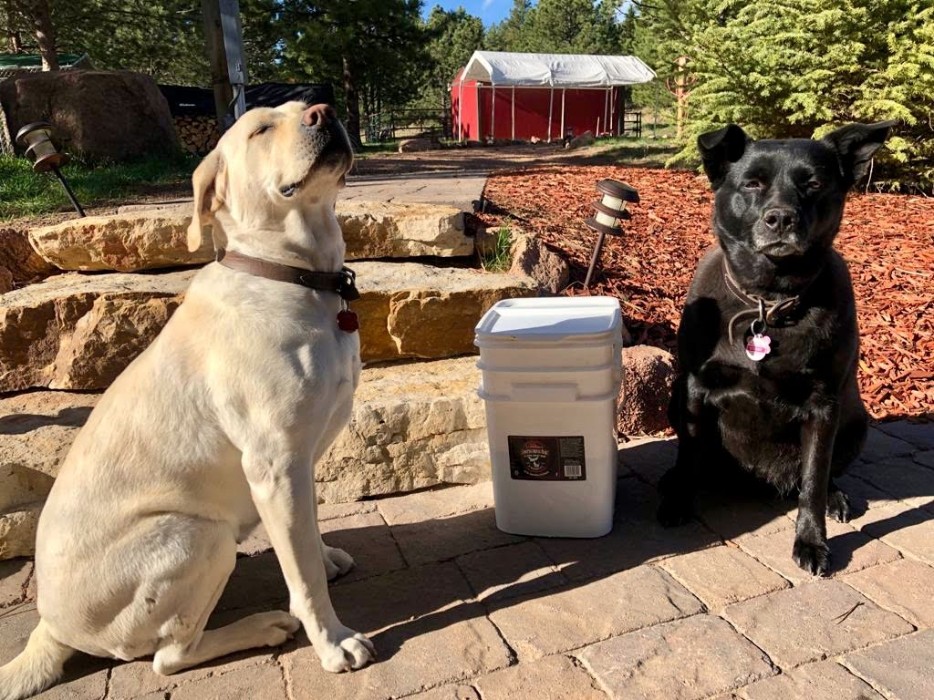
(768, 342)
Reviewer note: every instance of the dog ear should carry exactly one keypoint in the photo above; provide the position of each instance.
(720, 148)
(209, 183)
(855, 145)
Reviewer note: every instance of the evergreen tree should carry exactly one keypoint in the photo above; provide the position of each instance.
(453, 37)
(164, 39)
(800, 66)
(373, 49)
(509, 35)
(559, 26)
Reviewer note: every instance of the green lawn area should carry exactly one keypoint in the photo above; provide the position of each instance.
(643, 152)
(26, 193)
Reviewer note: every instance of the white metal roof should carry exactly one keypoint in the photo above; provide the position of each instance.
(555, 69)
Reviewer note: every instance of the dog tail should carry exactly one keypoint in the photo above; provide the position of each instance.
(36, 668)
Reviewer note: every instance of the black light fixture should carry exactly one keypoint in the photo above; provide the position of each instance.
(609, 215)
(36, 138)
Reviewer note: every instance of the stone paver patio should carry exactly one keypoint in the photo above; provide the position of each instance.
(460, 610)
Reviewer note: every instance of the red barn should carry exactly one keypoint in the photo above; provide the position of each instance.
(521, 95)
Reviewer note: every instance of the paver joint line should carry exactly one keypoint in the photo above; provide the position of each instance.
(868, 681)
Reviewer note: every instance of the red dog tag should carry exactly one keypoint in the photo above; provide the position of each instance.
(347, 321)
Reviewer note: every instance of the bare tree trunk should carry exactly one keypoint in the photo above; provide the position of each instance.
(13, 38)
(45, 33)
(352, 102)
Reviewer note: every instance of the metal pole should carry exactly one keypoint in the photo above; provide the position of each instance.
(224, 40)
(551, 105)
(233, 48)
(594, 258)
(513, 112)
(460, 111)
(493, 115)
(479, 130)
(606, 111)
(71, 195)
(563, 91)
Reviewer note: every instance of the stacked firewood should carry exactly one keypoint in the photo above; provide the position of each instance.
(197, 135)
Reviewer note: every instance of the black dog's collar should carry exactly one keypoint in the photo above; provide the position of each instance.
(768, 312)
(342, 283)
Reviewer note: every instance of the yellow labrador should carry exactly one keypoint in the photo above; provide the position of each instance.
(217, 425)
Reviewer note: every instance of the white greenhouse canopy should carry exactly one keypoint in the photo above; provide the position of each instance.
(555, 69)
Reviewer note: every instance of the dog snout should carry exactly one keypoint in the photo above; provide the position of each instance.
(318, 115)
(780, 220)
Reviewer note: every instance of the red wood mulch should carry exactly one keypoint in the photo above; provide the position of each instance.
(888, 241)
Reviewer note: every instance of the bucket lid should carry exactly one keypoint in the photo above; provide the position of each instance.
(550, 319)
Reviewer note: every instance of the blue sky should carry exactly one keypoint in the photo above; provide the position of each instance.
(490, 11)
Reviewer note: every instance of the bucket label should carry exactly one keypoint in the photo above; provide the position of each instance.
(547, 458)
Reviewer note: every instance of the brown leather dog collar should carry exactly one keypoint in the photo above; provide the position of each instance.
(342, 283)
(768, 312)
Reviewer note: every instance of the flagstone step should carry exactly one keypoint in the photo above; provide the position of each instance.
(414, 425)
(155, 237)
(76, 331)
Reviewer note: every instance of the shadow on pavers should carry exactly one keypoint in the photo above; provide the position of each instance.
(412, 600)
(22, 423)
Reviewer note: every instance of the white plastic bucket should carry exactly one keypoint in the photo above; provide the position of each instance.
(551, 372)
(555, 332)
(587, 383)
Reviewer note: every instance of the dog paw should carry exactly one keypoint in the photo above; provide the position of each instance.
(838, 507)
(336, 561)
(279, 627)
(813, 557)
(673, 512)
(350, 652)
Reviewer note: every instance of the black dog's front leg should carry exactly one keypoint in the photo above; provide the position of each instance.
(810, 550)
(679, 484)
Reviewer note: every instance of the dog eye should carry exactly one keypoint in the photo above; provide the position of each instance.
(262, 130)
(752, 185)
(815, 185)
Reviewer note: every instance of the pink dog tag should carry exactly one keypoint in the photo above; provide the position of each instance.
(758, 347)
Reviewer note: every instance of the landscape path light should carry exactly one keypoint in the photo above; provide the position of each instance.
(609, 215)
(36, 138)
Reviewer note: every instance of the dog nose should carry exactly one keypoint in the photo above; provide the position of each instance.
(318, 115)
(778, 220)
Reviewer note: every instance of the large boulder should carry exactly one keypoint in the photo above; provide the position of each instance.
(149, 238)
(102, 114)
(418, 144)
(530, 256)
(585, 139)
(648, 374)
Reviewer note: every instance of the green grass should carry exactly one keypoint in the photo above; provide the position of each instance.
(369, 149)
(26, 193)
(646, 152)
(497, 258)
